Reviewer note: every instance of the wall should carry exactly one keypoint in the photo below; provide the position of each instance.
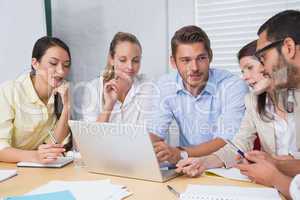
(88, 27)
(22, 22)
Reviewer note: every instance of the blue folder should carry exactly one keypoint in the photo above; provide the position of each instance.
(62, 195)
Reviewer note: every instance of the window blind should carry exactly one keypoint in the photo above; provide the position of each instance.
(230, 24)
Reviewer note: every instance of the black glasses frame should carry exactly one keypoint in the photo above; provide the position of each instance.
(259, 53)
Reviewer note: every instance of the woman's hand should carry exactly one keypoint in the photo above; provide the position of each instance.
(124, 81)
(192, 167)
(116, 88)
(110, 93)
(64, 92)
(48, 153)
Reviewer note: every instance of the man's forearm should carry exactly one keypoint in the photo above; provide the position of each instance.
(282, 184)
(206, 148)
(289, 167)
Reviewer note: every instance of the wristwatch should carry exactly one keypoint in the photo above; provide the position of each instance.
(183, 153)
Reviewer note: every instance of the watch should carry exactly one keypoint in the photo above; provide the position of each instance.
(183, 153)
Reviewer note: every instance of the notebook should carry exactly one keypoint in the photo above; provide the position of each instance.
(231, 173)
(62, 195)
(60, 162)
(209, 192)
(6, 174)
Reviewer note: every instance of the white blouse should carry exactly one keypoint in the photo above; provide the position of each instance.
(135, 109)
(285, 132)
(295, 188)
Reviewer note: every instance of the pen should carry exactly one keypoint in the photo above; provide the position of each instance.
(53, 139)
(177, 194)
(169, 167)
(238, 150)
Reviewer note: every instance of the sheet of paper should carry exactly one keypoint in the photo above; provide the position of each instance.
(231, 173)
(7, 173)
(82, 190)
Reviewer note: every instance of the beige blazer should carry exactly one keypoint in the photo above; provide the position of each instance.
(250, 125)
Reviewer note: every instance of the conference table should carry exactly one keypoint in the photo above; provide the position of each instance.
(31, 178)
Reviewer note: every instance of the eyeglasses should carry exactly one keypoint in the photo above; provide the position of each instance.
(259, 54)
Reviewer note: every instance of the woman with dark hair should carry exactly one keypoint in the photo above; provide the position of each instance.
(264, 116)
(119, 95)
(29, 113)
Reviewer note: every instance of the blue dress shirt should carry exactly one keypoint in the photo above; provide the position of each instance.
(215, 113)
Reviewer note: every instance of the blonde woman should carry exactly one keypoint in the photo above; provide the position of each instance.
(120, 94)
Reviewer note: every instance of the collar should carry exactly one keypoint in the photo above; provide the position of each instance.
(30, 91)
(210, 87)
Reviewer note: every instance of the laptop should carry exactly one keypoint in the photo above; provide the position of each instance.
(119, 149)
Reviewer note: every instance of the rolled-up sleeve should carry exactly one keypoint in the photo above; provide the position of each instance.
(295, 187)
(6, 118)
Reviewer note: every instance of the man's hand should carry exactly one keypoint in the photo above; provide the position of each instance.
(259, 155)
(164, 152)
(262, 171)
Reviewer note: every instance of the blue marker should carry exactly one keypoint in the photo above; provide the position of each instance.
(240, 152)
(167, 166)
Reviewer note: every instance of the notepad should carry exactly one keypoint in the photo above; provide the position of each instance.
(208, 192)
(62, 195)
(231, 173)
(60, 162)
(6, 174)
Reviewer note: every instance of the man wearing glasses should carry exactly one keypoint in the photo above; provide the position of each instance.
(207, 104)
(278, 49)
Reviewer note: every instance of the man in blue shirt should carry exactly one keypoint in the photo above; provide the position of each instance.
(207, 104)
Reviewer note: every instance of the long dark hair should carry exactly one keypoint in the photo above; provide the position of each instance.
(249, 50)
(43, 44)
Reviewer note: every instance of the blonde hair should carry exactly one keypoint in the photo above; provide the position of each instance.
(109, 71)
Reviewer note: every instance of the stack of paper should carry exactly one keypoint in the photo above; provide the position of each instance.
(231, 173)
(6, 174)
(82, 190)
(208, 192)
